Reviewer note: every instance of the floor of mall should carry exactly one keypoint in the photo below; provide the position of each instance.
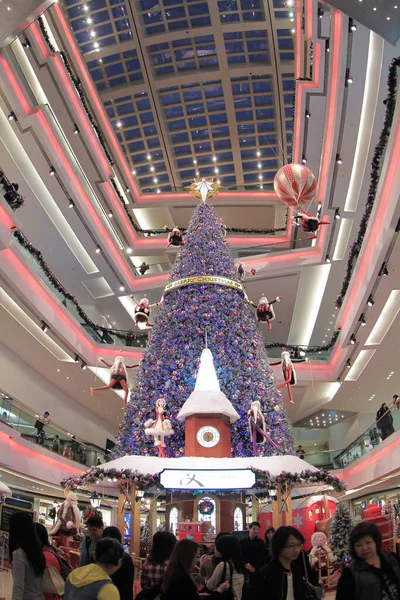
(199, 298)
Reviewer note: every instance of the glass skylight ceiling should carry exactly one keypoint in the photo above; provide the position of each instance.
(193, 87)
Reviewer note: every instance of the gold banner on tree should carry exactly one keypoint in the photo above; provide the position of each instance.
(198, 279)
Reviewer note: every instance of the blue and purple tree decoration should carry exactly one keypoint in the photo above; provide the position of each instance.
(170, 362)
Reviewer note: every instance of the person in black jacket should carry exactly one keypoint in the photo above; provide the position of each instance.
(280, 579)
(267, 541)
(373, 574)
(253, 549)
(123, 578)
(178, 583)
(384, 421)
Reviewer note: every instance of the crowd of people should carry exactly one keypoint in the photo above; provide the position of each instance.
(250, 568)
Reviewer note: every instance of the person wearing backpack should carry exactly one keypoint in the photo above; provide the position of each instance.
(95, 528)
(53, 561)
(373, 573)
(93, 582)
(231, 567)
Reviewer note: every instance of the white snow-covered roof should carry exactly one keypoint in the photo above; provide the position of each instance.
(153, 464)
(207, 402)
(303, 502)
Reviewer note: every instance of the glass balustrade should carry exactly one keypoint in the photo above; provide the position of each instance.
(50, 437)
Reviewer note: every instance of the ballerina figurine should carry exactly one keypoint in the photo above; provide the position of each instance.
(118, 378)
(160, 428)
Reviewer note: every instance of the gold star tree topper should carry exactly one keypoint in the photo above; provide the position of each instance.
(204, 188)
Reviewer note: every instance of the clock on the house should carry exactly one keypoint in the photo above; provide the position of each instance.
(208, 436)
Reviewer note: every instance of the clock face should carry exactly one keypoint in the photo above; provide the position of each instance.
(208, 436)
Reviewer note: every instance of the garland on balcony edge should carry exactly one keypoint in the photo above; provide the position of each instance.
(37, 255)
(130, 335)
(96, 476)
(376, 163)
(79, 88)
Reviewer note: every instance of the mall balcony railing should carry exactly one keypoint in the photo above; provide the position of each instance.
(54, 438)
(367, 441)
(109, 338)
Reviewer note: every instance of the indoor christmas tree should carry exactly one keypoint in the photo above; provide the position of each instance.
(342, 524)
(169, 365)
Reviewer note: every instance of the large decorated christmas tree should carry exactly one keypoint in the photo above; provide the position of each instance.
(169, 365)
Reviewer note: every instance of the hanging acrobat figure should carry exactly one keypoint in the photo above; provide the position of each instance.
(308, 223)
(160, 427)
(257, 427)
(265, 310)
(175, 237)
(289, 373)
(241, 271)
(118, 378)
(142, 312)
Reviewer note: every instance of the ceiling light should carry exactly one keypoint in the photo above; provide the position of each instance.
(129, 250)
(260, 177)
(119, 124)
(155, 180)
(76, 358)
(85, 7)
(52, 171)
(349, 80)
(133, 172)
(374, 8)
(98, 250)
(96, 45)
(127, 190)
(122, 287)
(348, 365)
(83, 366)
(387, 18)
(12, 117)
(89, 20)
(258, 153)
(216, 170)
(304, 160)
(214, 158)
(327, 49)
(76, 130)
(353, 27)
(327, 259)
(259, 165)
(308, 115)
(148, 157)
(337, 215)
(110, 215)
(338, 159)
(194, 161)
(363, 321)
(152, 169)
(353, 339)
(71, 204)
(45, 327)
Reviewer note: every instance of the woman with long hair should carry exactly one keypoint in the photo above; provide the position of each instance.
(51, 556)
(267, 541)
(373, 573)
(156, 564)
(178, 583)
(26, 557)
(231, 567)
(123, 578)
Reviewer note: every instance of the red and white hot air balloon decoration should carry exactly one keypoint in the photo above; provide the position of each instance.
(295, 185)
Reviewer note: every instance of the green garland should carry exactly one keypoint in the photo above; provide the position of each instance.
(377, 160)
(205, 507)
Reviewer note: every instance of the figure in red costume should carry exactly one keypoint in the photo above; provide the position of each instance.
(68, 520)
(160, 428)
(175, 237)
(289, 373)
(265, 310)
(308, 223)
(142, 312)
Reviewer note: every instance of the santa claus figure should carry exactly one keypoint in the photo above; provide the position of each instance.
(175, 237)
(142, 312)
(265, 310)
(321, 556)
(288, 371)
(160, 428)
(68, 519)
(308, 223)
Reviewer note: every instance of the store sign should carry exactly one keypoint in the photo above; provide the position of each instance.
(204, 479)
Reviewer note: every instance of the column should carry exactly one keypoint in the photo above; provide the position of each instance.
(135, 523)
(153, 517)
(277, 508)
(289, 510)
(255, 508)
(121, 513)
